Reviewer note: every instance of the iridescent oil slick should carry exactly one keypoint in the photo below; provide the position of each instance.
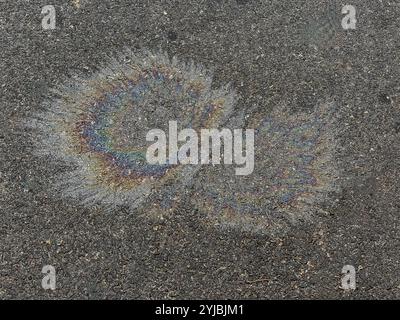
(99, 126)
(294, 172)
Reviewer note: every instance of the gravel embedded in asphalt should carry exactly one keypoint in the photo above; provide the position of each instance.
(271, 52)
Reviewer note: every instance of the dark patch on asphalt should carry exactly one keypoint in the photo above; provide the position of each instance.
(265, 50)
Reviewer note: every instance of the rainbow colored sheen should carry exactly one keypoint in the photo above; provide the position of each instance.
(294, 170)
(92, 123)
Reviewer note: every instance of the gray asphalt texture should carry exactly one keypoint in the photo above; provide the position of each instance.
(271, 51)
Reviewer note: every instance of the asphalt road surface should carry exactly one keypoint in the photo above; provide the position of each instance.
(271, 53)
